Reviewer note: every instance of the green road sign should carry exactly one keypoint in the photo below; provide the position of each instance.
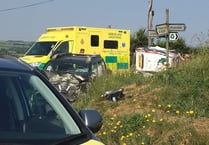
(173, 36)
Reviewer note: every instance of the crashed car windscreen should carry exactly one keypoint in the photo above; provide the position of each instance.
(72, 67)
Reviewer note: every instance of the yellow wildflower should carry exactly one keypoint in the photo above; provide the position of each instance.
(122, 137)
(191, 112)
(112, 118)
(118, 123)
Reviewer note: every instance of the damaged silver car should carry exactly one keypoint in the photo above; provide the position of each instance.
(71, 73)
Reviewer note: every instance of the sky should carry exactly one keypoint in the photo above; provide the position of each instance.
(26, 19)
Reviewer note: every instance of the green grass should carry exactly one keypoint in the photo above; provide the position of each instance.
(167, 108)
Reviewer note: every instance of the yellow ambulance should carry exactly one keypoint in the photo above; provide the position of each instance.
(112, 44)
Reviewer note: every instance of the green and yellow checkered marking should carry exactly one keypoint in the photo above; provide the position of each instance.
(117, 62)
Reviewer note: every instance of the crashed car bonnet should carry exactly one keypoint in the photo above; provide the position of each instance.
(70, 73)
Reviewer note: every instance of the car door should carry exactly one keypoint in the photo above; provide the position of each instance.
(98, 67)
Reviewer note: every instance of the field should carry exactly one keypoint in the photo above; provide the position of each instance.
(167, 108)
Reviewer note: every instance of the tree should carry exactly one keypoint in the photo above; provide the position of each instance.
(139, 39)
(179, 45)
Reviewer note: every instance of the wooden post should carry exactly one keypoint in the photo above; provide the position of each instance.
(150, 15)
(167, 37)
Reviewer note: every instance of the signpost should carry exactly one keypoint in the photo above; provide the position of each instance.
(168, 30)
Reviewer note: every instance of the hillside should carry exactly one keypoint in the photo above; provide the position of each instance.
(15, 48)
(169, 107)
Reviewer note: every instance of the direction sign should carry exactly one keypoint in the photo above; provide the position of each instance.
(173, 36)
(152, 33)
(177, 27)
(161, 29)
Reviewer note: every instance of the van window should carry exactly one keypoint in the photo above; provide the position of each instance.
(41, 48)
(62, 48)
(94, 40)
(110, 44)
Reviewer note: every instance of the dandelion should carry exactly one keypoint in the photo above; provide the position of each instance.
(124, 143)
(169, 105)
(143, 126)
(153, 121)
(148, 115)
(191, 112)
(142, 143)
(104, 133)
(122, 137)
(159, 106)
(161, 119)
(118, 123)
(153, 110)
(130, 134)
(134, 100)
(177, 111)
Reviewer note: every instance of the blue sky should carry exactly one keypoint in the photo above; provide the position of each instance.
(28, 20)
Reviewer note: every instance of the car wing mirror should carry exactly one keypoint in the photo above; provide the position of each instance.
(92, 119)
